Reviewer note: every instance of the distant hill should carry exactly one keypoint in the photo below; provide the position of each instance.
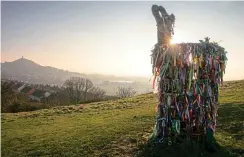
(28, 71)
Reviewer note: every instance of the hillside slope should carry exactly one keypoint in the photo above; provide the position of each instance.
(115, 128)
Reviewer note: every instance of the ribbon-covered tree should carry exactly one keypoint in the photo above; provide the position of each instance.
(188, 76)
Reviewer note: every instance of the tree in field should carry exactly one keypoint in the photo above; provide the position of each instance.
(87, 86)
(124, 92)
(98, 93)
(75, 87)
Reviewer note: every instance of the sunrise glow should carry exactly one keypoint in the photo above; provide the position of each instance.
(176, 39)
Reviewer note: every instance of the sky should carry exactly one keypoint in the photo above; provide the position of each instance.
(114, 38)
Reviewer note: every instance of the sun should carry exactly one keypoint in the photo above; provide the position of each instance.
(178, 37)
(172, 41)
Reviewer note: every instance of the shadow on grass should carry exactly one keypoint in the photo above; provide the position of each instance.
(230, 119)
(186, 149)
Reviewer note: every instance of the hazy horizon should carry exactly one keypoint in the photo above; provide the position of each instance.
(131, 76)
(114, 38)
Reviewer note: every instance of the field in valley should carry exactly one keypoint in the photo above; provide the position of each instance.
(115, 128)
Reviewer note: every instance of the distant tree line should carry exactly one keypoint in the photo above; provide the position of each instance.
(16, 102)
(75, 90)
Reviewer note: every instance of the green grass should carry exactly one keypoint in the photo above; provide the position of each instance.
(115, 128)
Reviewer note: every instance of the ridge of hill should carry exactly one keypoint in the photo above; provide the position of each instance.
(26, 70)
(116, 128)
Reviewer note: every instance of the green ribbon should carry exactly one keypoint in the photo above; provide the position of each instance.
(176, 126)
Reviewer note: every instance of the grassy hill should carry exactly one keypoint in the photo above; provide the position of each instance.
(115, 128)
